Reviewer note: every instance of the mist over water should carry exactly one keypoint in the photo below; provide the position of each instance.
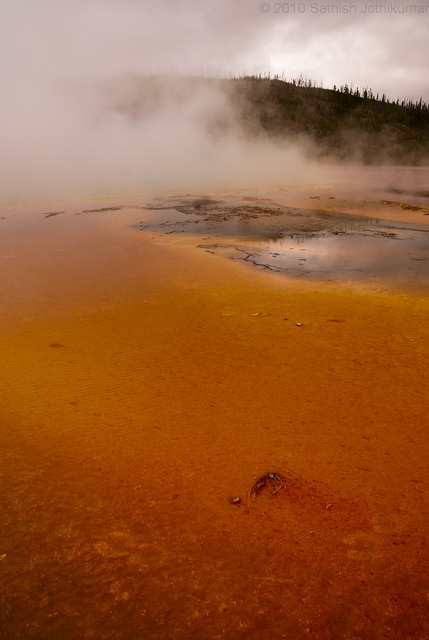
(77, 120)
(129, 135)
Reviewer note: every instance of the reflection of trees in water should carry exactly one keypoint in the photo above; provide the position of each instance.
(271, 237)
(340, 255)
(300, 238)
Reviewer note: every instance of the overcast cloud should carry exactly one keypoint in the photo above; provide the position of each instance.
(49, 48)
(89, 38)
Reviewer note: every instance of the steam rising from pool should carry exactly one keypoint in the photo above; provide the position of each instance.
(131, 134)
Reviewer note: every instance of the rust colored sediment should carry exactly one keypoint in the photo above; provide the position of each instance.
(140, 392)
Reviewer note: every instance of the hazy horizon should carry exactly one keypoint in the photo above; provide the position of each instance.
(57, 136)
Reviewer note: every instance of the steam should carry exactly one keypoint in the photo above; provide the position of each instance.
(76, 119)
(132, 134)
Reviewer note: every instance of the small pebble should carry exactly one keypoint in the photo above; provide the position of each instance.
(299, 324)
(235, 500)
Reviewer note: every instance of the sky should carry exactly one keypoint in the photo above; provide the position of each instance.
(49, 50)
(362, 45)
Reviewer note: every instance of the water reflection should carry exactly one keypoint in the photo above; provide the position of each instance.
(334, 253)
(303, 243)
(403, 257)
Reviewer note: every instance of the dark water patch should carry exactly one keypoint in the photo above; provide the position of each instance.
(298, 242)
(418, 193)
(52, 213)
(102, 209)
(401, 261)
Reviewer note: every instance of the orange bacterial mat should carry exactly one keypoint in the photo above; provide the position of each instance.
(145, 385)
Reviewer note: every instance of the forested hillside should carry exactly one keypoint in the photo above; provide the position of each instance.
(342, 123)
(346, 124)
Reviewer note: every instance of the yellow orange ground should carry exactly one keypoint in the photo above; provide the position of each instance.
(139, 393)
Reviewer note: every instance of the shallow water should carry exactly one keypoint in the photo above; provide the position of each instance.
(303, 243)
(400, 262)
